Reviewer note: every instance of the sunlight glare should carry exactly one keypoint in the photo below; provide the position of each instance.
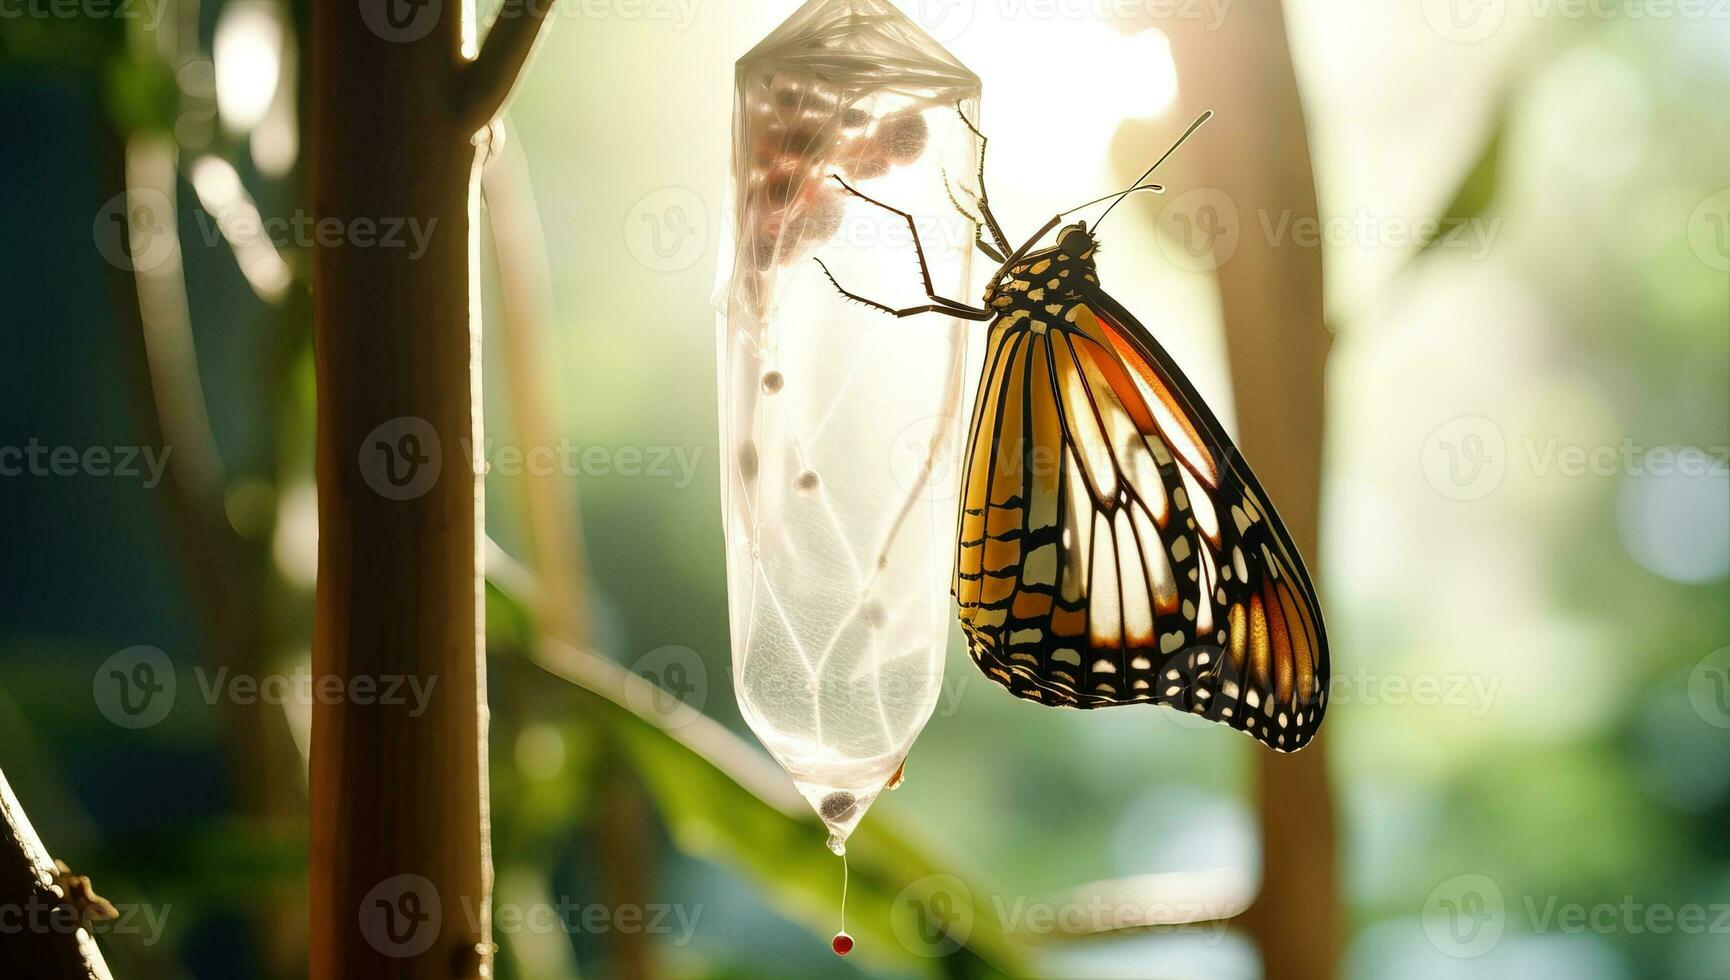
(1673, 516)
(248, 52)
(222, 196)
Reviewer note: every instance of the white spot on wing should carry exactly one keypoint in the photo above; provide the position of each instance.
(1137, 608)
(1104, 619)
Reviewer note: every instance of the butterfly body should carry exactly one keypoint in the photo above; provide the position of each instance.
(1113, 547)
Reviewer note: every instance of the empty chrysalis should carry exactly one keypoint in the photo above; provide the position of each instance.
(839, 426)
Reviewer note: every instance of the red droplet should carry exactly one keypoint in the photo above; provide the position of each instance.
(842, 944)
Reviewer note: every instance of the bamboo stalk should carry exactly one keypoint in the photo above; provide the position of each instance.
(401, 874)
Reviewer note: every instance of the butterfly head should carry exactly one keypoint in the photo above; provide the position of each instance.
(1076, 242)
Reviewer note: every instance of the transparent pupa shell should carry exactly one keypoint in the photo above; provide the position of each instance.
(840, 424)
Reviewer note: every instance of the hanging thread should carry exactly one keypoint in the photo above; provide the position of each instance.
(842, 944)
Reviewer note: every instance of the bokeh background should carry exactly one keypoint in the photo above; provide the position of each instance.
(1525, 522)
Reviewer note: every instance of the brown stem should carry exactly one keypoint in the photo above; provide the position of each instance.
(1257, 153)
(401, 874)
(485, 86)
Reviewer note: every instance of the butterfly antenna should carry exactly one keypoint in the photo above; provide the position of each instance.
(1204, 117)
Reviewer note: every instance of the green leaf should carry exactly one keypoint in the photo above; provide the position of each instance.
(714, 817)
(142, 95)
(1476, 191)
(725, 801)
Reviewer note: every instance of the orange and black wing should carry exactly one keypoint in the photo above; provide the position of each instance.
(1114, 548)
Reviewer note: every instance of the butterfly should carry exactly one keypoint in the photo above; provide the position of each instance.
(1113, 545)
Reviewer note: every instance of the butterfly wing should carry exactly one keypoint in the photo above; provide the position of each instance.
(1114, 547)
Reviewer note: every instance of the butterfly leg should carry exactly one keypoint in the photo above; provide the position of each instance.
(978, 222)
(954, 307)
(939, 304)
(998, 238)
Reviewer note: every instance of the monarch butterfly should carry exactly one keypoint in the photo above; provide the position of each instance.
(1113, 546)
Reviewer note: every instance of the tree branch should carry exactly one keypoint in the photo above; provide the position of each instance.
(54, 907)
(485, 84)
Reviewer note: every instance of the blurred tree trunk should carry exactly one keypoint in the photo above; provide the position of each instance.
(230, 576)
(1271, 297)
(401, 873)
(560, 559)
